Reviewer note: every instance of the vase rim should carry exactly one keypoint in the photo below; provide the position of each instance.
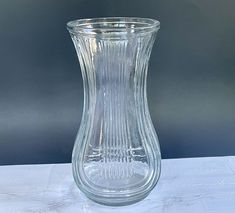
(113, 26)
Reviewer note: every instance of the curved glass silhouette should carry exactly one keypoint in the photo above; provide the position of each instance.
(116, 156)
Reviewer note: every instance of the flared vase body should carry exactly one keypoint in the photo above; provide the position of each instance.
(116, 156)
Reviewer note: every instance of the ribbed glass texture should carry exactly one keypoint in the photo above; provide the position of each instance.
(116, 156)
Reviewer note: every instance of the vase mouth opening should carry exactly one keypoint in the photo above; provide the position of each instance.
(113, 26)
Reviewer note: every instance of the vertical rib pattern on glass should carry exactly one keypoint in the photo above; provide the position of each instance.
(116, 157)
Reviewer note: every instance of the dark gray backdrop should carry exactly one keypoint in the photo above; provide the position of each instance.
(191, 81)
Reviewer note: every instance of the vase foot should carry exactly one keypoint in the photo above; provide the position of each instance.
(124, 201)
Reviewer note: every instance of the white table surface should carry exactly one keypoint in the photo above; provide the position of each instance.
(190, 185)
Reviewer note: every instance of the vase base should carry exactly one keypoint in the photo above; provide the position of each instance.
(117, 201)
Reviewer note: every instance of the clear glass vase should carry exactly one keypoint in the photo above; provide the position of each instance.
(116, 156)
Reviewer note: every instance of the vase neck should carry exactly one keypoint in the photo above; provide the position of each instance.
(113, 65)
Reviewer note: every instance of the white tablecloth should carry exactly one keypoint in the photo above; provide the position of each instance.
(190, 185)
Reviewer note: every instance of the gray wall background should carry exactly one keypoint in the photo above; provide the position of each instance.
(191, 81)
